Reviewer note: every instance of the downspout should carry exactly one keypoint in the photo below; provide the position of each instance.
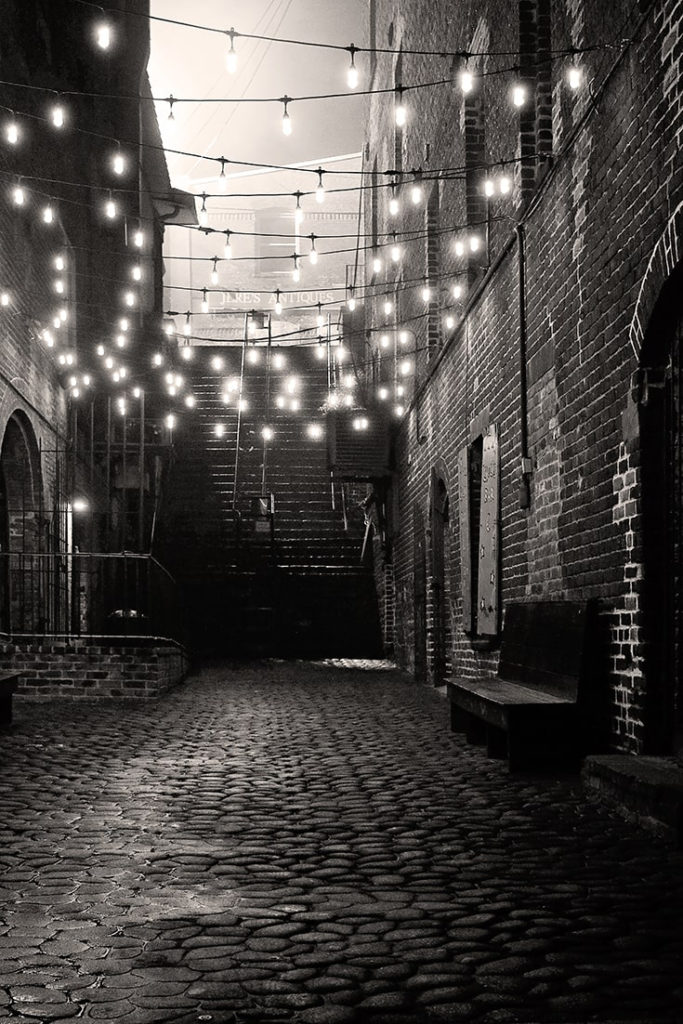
(525, 466)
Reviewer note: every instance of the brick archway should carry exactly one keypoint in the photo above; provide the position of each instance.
(666, 256)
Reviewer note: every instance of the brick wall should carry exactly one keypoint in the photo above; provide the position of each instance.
(597, 222)
(99, 667)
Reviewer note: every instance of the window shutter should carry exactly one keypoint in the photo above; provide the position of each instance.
(465, 551)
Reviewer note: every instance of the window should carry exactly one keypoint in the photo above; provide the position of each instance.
(478, 493)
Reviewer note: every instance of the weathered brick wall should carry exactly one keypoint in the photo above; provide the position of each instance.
(591, 224)
(100, 667)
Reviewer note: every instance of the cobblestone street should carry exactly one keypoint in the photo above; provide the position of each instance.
(310, 843)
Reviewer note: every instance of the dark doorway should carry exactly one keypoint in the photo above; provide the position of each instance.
(439, 521)
(420, 594)
(662, 474)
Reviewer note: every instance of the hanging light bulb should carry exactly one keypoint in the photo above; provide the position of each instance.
(394, 205)
(124, 323)
(190, 401)
(103, 35)
(416, 194)
(399, 109)
(320, 190)
(169, 328)
(187, 326)
(450, 322)
(376, 264)
(475, 243)
(18, 195)
(489, 187)
(286, 119)
(320, 349)
(170, 421)
(395, 249)
(267, 433)
(298, 212)
(214, 272)
(129, 298)
(519, 95)
(57, 116)
(403, 337)
(296, 273)
(171, 101)
(231, 56)
(63, 315)
(157, 359)
(466, 81)
(186, 353)
(388, 307)
(278, 303)
(574, 77)
(383, 394)
(351, 301)
(253, 356)
(320, 319)
(217, 363)
(59, 262)
(205, 301)
(314, 431)
(136, 272)
(138, 238)
(426, 291)
(227, 252)
(504, 184)
(459, 248)
(110, 207)
(48, 215)
(121, 340)
(203, 215)
(457, 291)
(118, 163)
(219, 430)
(222, 184)
(12, 132)
(384, 341)
(313, 254)
(399, 410)
(278, 361)
(5, 299)
(352, 73)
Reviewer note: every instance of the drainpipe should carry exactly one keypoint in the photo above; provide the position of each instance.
(524, 483)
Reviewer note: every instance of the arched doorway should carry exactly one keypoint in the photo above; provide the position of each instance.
(21, 523)
(661, 432)
(439, 523)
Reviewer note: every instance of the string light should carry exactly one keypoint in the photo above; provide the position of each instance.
(219, 430)
(351, 301)
(459, 247)
(395, 249)
(383, 394)
(384, 341)
(466, 81)
(138, 238)
(204, 214)
(136, 272)
(227, 252)
(118, 163)
(320, 190)
(457, 291)
(504, 184)
(187, 326)
(231, 56)
(320, 320)
(406, 367)
(286, 119)
(59, 262)
(124, 323)
(360, 423)
(121, 340)
(399, 109)
(489, 187)
(450, 322)
(170, 421)
(110, 207)
(222, 182)
(426, 291)
(253, 356)
(394, 205)
(12, 132)
(403, 337)
(416, 194)
(376, 264)
(190, 401)
(18, 195)
(296, 273)
(57, 116)
(157, 359)
(186, 352)
(574, 77)
(103, 35)
(278, 303)
(388, 307)
(267, 433)
(129, 298)
(519, 95)
(298, 212)
(279, 361)
(352, 73)
(475, 243)
(214, 272)
(5, 299)
(205, 301)
(48, 215)
(313, 254)
(314, 431)
(217, 363)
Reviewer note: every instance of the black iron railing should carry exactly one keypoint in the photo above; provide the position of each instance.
(86, 594)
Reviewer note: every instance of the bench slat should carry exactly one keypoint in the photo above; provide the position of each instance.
(500, 691)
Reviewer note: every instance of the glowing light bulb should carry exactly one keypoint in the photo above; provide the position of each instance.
(110, 208)
(320, 319)
(459, 248)
(100, 350)
(227, 252)
(157, 359)
(388, 307)
(278, 361)
(278, 303)
(351, 301)
(466, 81)
(12, 132)
(416, 195)
(253, 356)
(121, 340)
(48, 215)
(400, 391)
(205, 301)
(406, 367)
(109, 362)
(18, 196)
(399, 410)
(103, 35)
(59, 263)
(170, 421)
(187, 326)
(314, 431)
(138, 238)
(214, 272)
(384, 341)
(450, 322)
(395, 253)
(231, 56)
(118, 163)
(457, 291)
(426, 292)
(136, 272)
(216, 363)
(63, 315)
(57, 116)
(267, 433)
(352, 76)
(574, 77)
(190, 401)
(403, 337)
(59, 286)
(383, 394)
(394, 206)
(489, 187)
(313, 254)
(376, 264)
(219, 430)
(320, 351)
(186, 353)
(504, 185)
(87, 380)
(4, 299)
(75, 393)
(222, 184)
(519, 95)
(320, 189)
(296, 273)
(124, 323)
(475, 243)
(129, 298)
(400, 114)
(295, 405)
(286, 121)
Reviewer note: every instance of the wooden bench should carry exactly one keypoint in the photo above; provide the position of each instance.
(8, 684)
(538, 710)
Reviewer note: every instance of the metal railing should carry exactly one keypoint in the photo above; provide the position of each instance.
(86, 594)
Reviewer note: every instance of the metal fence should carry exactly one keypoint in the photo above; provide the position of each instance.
(86, 594)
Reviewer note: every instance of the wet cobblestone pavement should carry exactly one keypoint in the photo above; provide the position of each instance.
(311, 844)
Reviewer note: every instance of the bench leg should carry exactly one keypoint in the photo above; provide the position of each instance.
(459, 719)
(496, 742)
(5, 709)
(475, 731)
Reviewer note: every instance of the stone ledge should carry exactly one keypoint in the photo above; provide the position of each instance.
(647, 790)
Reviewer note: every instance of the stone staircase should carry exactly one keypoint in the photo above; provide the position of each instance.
(290, 584)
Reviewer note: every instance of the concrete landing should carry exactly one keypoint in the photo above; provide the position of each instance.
(648, 790)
